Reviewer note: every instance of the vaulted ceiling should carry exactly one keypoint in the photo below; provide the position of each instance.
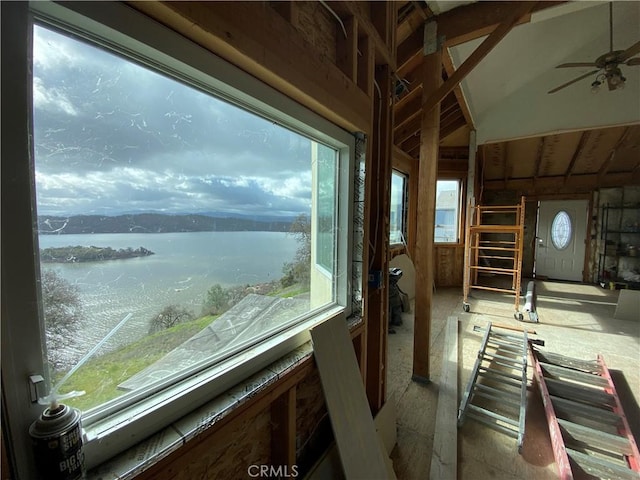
(569, 139)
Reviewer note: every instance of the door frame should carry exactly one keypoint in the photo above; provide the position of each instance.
(587, 276)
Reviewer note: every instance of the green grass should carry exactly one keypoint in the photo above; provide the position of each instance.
(100, 377)
(291, 291)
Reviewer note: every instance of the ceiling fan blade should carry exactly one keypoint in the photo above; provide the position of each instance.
(573, 81)
(577, 64)
(630, 52)
(633, 61)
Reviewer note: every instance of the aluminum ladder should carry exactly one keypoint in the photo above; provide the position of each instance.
(496, 394)
(589, 431)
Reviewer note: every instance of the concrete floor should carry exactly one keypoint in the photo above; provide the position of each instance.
(575, 320)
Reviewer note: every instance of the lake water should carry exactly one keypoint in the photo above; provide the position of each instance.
(184, 267)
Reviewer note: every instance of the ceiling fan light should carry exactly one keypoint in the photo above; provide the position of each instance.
(595, 86)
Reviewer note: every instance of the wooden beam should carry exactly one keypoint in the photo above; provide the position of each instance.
(609, 161)
(577, 183)
(407, 108)
(257, 39)
(465, 23)
(407, 131)
(447, 62)
(538, 163)
(424, 258)
(411, 144)
(479, 53)
(584, 138)
(283, 429)
(452, 127)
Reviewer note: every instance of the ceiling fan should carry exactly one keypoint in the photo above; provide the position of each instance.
(607, 65)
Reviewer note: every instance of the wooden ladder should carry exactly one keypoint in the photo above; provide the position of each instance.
(589, 431)
(496, 394)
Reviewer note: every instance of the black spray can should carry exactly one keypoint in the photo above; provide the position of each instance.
(57, 443)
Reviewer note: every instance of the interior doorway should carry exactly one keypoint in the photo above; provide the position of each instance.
(561, 239)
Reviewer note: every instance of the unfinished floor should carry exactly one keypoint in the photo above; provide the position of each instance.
(575, 320)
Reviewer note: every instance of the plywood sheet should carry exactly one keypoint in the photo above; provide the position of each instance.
(628, 307)
(408, 281)
(361, 451)
(444, 457)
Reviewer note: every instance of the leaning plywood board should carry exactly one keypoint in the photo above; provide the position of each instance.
(361, 451)
(408, 281)
(628, 307)
(444, 457)
(329, 466)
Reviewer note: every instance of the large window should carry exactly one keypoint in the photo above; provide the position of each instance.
(447, 221)
(174, 219)
(398, 209)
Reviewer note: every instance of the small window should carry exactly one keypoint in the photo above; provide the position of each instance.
(398, 213)
(561, 230)
(447, 211)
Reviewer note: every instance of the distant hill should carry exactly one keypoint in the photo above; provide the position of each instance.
(154, 223)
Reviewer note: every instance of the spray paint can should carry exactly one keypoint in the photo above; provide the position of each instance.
(57, 443)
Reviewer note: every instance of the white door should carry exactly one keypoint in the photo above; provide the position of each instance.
(560, 242)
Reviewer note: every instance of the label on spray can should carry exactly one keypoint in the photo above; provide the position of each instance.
(57, 443)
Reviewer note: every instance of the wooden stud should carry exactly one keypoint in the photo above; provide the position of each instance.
(347, 49)
(283, 429)
(427, 178)
(378, 318)
(366, 64)
(584, 138)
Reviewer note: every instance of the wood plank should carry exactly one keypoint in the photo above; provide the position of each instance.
(427, 179)
(444, 458)
(479, 53)
(259, 40)
(360, 450)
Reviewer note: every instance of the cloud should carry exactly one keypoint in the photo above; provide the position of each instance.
(112, 136)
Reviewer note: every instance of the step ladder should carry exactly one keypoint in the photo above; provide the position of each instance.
(589, 432)
(496, 394)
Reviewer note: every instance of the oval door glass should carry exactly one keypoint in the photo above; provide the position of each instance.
(561, 230)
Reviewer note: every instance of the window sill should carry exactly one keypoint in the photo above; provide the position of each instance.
(153, 449)
(150, 451)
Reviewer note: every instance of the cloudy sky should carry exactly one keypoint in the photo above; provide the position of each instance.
(113, 137)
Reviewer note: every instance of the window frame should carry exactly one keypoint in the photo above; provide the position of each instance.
(405, 207)
(111, 25)
(460, 210)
